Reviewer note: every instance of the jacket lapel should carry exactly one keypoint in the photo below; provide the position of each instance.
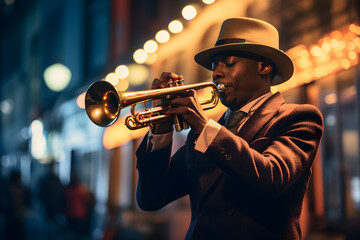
(248, 132)
(260, 117)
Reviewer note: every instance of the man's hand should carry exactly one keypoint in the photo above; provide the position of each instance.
(188, 106)
(167, 126)
(185, 104)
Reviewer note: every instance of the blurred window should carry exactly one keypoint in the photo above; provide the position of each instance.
(97, 40)
(340, 145)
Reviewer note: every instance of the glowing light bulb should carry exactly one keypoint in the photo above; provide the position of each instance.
(57, 77)
(189, 12)
(140, 56)
(208, 1)
(122, 71)
(150, 46)
(112, 78)
(162, 36)
(175, 26)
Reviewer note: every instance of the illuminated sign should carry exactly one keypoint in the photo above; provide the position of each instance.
(334, 52)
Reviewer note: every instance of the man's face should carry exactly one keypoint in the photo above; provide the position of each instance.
(240, 75)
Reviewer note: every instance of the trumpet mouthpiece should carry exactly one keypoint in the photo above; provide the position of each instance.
(221, 87)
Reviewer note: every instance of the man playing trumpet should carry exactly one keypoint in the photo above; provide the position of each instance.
(246, 174)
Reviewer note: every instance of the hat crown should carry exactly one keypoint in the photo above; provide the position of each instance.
(251, 36)
(248, 30)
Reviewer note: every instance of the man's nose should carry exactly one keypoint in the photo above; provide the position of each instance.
(217, 73)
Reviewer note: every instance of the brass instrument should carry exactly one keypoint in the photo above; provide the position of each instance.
(103, 103)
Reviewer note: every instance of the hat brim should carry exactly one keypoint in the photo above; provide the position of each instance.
(280, 59)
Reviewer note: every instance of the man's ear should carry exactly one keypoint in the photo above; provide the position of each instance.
(264, 68)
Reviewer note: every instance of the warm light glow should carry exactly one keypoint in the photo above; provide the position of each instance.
(162, 36)
(80, 101)
(57, 77)
(112, 78)
(175, 26)
(151, 59)
(330, 98)
(316, 51)
(122, 85)
(345, 63)
(334, 43)
(189, 12)
(122, 71)
(352, 55)
(355, 29)
(140, 56)
(138, 74)
(208, 1)
(118, 134)
(336, 51)
(150, 46)
(350, 91)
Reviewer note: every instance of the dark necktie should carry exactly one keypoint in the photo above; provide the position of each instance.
(234, 119)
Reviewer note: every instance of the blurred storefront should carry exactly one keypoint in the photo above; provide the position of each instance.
(94, 37)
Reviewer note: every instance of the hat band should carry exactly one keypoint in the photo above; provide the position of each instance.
(229, 41)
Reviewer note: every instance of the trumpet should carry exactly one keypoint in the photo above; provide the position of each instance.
(103, 103)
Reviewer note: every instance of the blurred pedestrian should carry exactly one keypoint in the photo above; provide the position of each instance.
(79, 206)
(17, 198)
(52, 198)
(3, 206)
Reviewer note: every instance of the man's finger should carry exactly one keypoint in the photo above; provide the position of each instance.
(156, 83)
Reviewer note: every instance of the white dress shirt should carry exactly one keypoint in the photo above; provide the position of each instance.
(211, 129)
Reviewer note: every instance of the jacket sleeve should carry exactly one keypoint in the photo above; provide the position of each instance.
(273, 162)
(162, 179)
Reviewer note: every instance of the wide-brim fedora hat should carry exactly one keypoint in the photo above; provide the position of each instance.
(254, 36)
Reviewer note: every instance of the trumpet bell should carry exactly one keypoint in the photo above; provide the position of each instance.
(102, 103)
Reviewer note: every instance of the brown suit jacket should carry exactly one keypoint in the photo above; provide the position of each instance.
(245, 186)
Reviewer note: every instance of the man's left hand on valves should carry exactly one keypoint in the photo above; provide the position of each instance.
(188, 106)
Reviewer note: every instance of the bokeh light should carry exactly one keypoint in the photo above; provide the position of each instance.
(150, 46)
(112, 78)
(122, 85)
(38, 140)
(151, 59)
(175, 26)
(57, 77)
(189, 12)
(138, 74)
(80, 101)
(7, 106)
(162, 36)
(122, 71)
(208, 1)
(140, 56)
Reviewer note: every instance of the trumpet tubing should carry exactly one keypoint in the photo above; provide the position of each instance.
(103, 103)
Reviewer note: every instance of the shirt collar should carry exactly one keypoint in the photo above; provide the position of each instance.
(250, 107)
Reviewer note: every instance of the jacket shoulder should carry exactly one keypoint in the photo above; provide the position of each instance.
(300, 112)
(299, 109)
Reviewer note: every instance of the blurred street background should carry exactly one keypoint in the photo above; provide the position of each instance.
(63, 177)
